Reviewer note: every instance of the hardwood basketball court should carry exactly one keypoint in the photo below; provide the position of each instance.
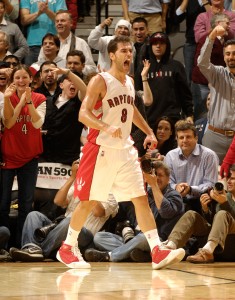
(51, 280)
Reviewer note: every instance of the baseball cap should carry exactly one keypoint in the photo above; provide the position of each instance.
(158, 37)
(34, 68)
(125, 23)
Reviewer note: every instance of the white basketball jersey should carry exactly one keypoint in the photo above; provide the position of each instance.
(117, 109)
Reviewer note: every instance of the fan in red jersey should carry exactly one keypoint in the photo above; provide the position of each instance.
(23, 115)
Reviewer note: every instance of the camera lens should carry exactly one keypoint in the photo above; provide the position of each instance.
(219, 186)
(127, 234)
(41, 233)
(146, 166)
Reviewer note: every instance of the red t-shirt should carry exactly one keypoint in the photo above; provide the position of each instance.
(22, 142)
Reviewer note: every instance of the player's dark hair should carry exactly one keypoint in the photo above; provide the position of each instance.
(113, 44)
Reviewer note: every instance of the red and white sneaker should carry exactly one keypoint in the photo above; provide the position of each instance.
(162, 258)
(71, 257)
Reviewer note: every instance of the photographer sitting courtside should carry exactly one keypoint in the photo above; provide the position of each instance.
(216, 226)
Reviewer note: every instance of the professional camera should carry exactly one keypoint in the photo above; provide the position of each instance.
(219, 187)
(125, 230)
(41, 233)
(147, 164)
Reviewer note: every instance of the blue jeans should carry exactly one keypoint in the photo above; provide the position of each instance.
(52, 241)
(55, 237)
(113, 243)
(199, 93)
(32, 57)
(189, 51)
(26, 177)
(4, 237)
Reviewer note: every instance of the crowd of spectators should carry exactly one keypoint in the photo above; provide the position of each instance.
(44, 72)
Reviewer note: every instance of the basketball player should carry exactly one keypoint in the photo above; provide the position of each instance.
(109, 162)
